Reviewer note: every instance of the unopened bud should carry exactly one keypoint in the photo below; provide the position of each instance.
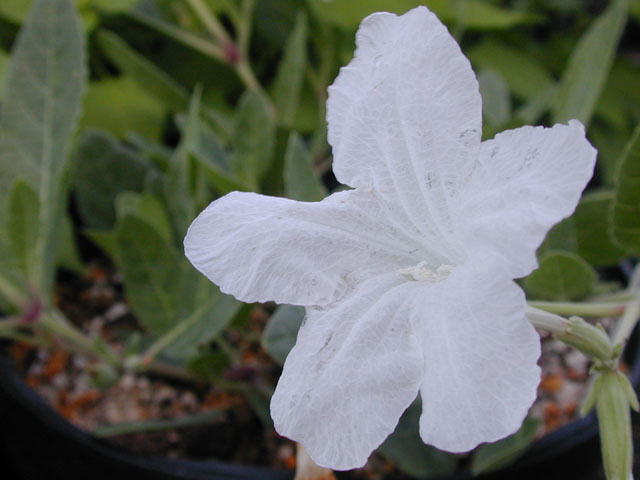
(615, 425)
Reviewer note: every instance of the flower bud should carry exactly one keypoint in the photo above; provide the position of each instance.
(592, 341)
(615, 425)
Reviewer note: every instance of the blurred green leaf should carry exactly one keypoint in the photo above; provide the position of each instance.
(626, 206)
(408, 452)
(290, 76)
(589, 66)
(281, 331)
(492, 456)
(41, 106)
(525, 76)
(159, 284)
(153, 79)
(473, 14)
(17, 10)
(22, 227)
(214, 313)
(208, 365)
(103, 169)
(119, 105)
(67, 255)
(300, 182)
(113, 6)
(104, 239)
(561, 237)
(561, 276)
(177, 182)
(496, 101)
(4, 64)
(212, 159)
(610, 143)
(253, 140)
(592, 220)
(148, 208)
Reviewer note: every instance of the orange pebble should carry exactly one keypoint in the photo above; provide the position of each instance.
(290, 462)
(56, 363)
(551, 383)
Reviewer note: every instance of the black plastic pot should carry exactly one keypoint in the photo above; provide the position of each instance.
(37, 443)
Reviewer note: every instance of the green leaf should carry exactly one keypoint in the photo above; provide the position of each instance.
(159, 284)
(473, 14)
(153, 79)
(253, 140)
(113, 6)
(300, 182)
(280, 334)
(42, 100)
(406, 450)
(119, 105)
(561, 276)
(208, 365)
(610, 143)
(626, 206)
(594, 240)
(103, 169)
(496, 101)
(177, 186)
(4, 64)
(492, 456)
(22, 227)
(213, 160)
(525, 76)
(68, 256)
(147, 207)
(589, 66)
(562, 236)
(105, 240)
(289, 78)
(213, 315)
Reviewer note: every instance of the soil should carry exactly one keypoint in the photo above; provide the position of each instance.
(70, 384)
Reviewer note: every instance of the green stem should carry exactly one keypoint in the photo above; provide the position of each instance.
(127, 428)
(172, 335)
(210, 21)
(593, 309)
(628, 322)
(12, 294)
(58, 324)
(592, 341)
(186, 38)
(244, 27)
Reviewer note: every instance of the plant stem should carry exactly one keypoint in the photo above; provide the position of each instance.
(593, 309)
(172, 335)
(126, 428)
(210, 21)
(203, 46)
(56, 323)
(590, 340)
(11, 293)
(628, 322)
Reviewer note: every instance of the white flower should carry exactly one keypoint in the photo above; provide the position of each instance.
(407, 278)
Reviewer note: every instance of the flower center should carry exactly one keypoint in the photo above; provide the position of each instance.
(422, 272)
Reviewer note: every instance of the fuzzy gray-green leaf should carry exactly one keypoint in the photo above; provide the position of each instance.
(561, 276)
(589, 66)
(626, 206)
(42, 101)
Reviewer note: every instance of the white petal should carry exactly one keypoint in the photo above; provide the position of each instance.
(526, 180)
(260, 248)
(356, 366)
(480, 359)
(405, 118)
